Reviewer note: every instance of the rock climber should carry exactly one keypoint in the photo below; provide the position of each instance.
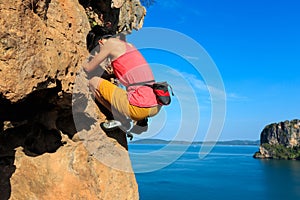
(137, 102)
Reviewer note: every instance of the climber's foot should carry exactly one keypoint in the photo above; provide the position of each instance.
(110, 125)
(140, 126)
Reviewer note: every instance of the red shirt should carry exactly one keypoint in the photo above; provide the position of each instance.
(131, 67)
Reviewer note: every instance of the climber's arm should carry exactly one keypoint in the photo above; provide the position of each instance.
(99, 58)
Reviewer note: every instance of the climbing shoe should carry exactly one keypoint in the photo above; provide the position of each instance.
(143, 122)
(110, 125)
(126, 124)
(140, 126)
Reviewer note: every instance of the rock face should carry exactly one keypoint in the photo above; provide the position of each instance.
(120, 15)
(51, 145)
(42, 44)
(70, 173)
(280, 141)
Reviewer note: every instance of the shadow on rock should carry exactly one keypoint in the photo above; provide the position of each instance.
(119, 136)
(7, 168)
(35, 139)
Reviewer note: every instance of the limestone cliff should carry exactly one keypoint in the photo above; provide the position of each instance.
(51, 145)
(280, 141)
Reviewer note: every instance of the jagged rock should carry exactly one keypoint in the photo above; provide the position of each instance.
(280, 141)
(135, 19)
(122, 16)
(42, 44)
(51, 144)
(70, 173)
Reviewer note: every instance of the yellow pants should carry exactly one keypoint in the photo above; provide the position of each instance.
(117, 98)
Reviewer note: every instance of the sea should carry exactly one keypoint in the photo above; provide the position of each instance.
(224, 172)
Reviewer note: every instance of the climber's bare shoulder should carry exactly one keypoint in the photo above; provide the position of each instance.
(116, 47)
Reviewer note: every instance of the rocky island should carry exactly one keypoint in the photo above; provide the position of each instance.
(280, 141)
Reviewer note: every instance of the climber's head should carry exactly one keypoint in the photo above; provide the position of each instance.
(95, 35)
(104, 37)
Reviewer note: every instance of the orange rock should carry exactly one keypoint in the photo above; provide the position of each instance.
(42, 48)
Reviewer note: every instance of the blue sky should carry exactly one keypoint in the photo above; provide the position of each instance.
(254, 44)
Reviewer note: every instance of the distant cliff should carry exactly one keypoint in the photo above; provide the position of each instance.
(45, 153)
(280, 141)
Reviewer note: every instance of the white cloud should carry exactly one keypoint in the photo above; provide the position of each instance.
(236, 97)
(197, 83)
(191, 57)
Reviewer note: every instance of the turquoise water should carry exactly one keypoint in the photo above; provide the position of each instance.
(228, 172)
